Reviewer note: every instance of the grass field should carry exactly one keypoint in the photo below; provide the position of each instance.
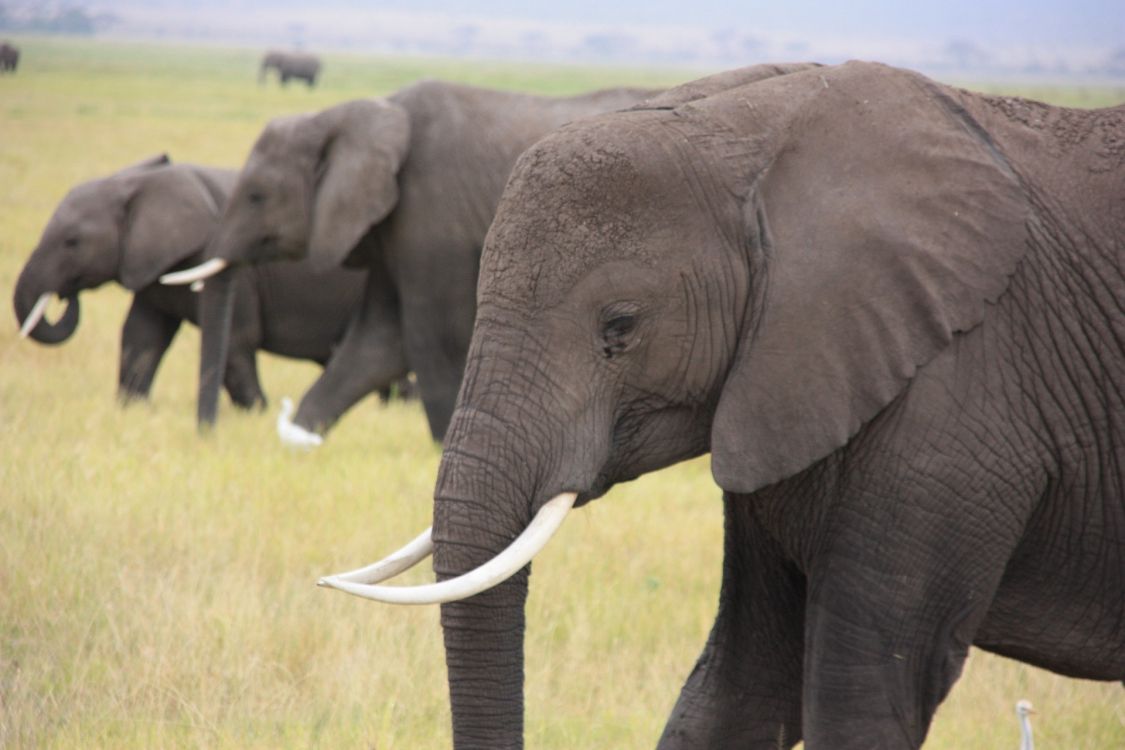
(156, 587)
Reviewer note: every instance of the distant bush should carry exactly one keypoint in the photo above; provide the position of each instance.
(64, 19)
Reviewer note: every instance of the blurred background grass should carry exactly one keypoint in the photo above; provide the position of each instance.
(156, 587)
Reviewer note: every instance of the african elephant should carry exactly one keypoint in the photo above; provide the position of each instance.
(152, 217)
(300, 65)
(891, 310)
(9, 57)
(406, 187)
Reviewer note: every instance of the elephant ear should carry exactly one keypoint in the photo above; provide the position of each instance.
(170, 215)
(364, 144)
(883, 221)
(151, 162)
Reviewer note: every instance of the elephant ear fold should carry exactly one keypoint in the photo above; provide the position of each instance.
(882, 222)
(169, 216)
(365, 143)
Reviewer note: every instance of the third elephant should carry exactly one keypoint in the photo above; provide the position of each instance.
(150, 218)
(405, 186)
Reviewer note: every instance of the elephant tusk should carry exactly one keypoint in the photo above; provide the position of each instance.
(393, 564)
(198, 273)
(36, 314)
(519, 553)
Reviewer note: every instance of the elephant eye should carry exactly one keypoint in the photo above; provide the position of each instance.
(71, 242)
(257, 198)
(619, 325)
(615, 332)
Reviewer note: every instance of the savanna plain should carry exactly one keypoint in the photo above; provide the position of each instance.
(157, 586)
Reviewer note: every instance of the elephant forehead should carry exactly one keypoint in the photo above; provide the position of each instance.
(281, 135)
(581, 198)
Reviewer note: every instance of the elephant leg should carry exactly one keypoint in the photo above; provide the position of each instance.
(745, 690)
(437, 328)
(369, 358)
(241, 379)
(894, 604)
(145, 337)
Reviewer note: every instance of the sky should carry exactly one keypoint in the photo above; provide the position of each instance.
(1094, 21)
(1062, 36)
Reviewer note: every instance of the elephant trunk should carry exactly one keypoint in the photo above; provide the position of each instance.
(27, 299)
(476, 515)
(508, 458)
(510, 472)
(216, 311)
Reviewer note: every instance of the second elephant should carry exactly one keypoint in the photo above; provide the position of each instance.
(152, 217)
(405, 186)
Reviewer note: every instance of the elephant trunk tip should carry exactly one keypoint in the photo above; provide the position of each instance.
(35, 324)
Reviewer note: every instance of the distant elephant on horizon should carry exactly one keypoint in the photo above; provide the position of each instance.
(153, 217)
(893, 313)
(9, 57)
(300, 65)
(404, 186)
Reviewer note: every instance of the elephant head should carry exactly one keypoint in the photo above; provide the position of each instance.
(129, 227)
(754, 272)
(313, 186)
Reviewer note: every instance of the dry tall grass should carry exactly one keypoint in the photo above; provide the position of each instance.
(156, 587)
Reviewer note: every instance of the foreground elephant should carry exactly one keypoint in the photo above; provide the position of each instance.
(893, 313)
(405, 186)
(147, 219)
(299, 65)
(9, 57)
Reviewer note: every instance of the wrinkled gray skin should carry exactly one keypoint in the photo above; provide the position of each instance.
(406, 187)
(299, 65)
(9, 57)
(893, 313)
(153, 217)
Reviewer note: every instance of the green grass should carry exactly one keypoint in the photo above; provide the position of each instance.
(156, 588)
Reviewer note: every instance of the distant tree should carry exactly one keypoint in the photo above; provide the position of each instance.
(965, 54)
(607, 44)
(1115, 63)
(464, 38)
(63, 19)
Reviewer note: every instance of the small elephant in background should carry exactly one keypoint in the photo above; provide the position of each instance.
(152, 217)
(300, 65)
(9, 57)
(406, 187)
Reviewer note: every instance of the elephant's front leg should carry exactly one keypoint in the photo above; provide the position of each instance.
(145, 337)
(241, 378)
(369, 358)
(745, 691)
(895, 599)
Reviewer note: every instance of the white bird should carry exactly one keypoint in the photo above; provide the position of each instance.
(291, 434)
(1024, 711)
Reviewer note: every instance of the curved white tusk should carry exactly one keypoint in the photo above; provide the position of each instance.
(496, 570)
(390, 566)
(36, 314)
(198, 273)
